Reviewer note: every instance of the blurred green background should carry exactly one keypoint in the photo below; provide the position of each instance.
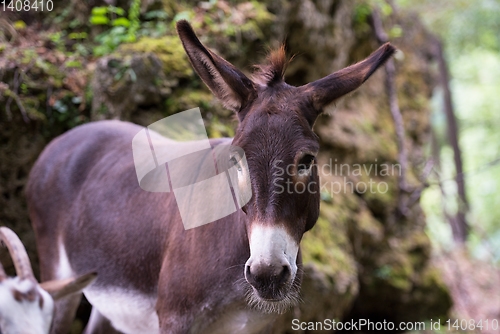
(470, 31)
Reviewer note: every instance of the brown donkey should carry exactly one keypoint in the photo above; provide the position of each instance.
(230, 276)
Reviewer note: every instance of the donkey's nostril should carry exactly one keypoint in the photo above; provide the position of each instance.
(285, 275)
(247, 272)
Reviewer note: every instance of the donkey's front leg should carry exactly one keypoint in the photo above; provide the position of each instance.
(174, 319)
(174, 303)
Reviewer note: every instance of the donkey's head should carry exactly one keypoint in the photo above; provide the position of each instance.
(275, 132)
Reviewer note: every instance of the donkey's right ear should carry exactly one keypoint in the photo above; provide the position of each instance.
(227, 83)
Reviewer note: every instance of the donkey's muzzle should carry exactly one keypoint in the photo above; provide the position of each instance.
(270, 281)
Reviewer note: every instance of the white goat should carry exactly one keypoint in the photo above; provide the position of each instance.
(27, 307)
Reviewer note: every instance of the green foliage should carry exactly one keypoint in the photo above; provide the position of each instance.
(463, 24)
(134, 19)
(110, 40)
(73, 63)
(98, 19)
(78, 35)
(156, 14)
(395, 32)
(476, 84)
(58, 39)
(185, 15)
(470, 33)
(19, 25)
(363, 10)
(122, 21)
(123, 29)
(65, 112)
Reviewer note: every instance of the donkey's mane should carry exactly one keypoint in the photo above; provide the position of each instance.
(274, 70)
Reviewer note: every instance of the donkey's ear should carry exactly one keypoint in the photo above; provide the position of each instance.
(324, 91)
(227, 83)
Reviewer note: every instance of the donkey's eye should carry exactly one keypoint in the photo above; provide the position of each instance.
(305, 164)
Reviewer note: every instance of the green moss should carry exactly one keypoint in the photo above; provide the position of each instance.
(327, 246)
(168, 49)
(382, 194)
(218, 129)
(398, 275)
(183, 99)
(367, 224)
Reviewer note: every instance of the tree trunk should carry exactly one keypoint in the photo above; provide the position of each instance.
(459, 226)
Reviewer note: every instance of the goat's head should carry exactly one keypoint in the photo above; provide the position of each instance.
(275, 132)
(27, 307)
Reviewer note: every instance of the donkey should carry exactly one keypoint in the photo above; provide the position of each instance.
(231, 276)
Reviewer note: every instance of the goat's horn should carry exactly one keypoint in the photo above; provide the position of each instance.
(17, 253)
(3, 275)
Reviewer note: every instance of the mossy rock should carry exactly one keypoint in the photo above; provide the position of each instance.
(169, 51)
(330, 267)
(327, 245)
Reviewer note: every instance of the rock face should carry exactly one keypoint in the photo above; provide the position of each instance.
(116, 97)
(362, 259)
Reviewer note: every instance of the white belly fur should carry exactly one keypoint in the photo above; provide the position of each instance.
(129, 311)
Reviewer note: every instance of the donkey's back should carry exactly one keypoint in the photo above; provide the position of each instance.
(90, 214)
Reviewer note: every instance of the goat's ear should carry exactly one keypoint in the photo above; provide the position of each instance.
(324, 91)
(227, 83)
(61, 288)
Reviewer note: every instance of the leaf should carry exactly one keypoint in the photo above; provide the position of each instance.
(99, 11)
(116, 10)
(77, 35)
(130, 38)
(97, 20)
(156, 14)
(386, 9)
(395, 31)
(19, 25)
(132, 75)
(118, 30)
(122, 21)
(73, 63)
(101, 50)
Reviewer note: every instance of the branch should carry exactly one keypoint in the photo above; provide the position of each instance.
(13, 95)
(461, 227)
(394, 107)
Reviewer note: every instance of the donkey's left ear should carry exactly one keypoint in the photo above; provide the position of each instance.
(326, 90)
(227, 83)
